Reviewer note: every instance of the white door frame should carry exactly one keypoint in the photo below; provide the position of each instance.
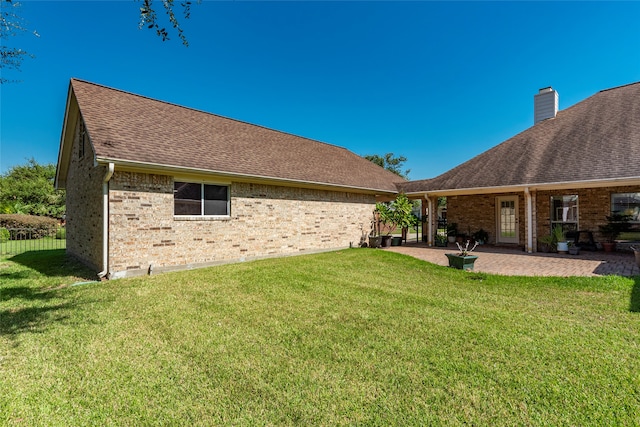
(514, 222)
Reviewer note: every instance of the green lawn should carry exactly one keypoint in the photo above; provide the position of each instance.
(354, 337)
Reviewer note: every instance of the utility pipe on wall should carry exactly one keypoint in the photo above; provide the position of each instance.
(105, 220)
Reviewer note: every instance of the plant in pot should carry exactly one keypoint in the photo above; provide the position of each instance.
(480, 236)
(574, 249)
(398, 213)
(463, 260)
(545, 243)
(441, 240)
(559, 238)
(616, 224)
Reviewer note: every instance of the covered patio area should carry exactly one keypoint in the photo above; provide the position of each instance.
(515, 262)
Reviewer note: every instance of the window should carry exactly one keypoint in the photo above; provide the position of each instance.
(564, 212)
(82, 136)
(626, 204)
(193, 199)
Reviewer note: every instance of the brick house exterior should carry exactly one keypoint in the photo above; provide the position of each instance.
(572, 168)
(124, 158)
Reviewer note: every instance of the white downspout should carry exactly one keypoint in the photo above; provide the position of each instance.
(105, 220)
(430, 218)
(527, 195)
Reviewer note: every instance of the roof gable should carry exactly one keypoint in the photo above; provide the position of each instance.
(597, 139)
(131, 128)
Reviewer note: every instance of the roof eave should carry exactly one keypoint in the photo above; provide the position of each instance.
(161, 168)
(565, 185)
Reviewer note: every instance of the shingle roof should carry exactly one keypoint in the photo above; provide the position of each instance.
(596, 139)
(128, 127)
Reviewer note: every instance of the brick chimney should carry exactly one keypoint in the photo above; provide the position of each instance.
(545, 104)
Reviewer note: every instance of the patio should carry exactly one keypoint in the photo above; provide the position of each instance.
(507, 261)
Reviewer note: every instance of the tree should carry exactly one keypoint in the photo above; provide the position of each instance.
(149, 18)
(11, 24)
(28, 189)
(390, 163)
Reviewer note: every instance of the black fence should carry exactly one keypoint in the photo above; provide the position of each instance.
(18, 240)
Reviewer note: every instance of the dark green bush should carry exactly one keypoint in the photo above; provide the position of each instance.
(39, 226)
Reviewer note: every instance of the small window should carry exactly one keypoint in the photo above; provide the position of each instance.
(564, 212)
(82, 135)
(193, 199)
(626, 204)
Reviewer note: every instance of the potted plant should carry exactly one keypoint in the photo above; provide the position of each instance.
(561, 241)
(398, 213)
(480, 236)
(574, 249)
(440, 240)
(545, 243)
(452, 232)
(463, 260)
(616, 224)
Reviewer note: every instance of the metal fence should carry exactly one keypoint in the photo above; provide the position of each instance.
(15, 241)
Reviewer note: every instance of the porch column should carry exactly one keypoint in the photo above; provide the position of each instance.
(430, 218)
(527, 195)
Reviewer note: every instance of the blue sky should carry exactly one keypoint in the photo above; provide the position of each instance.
(437, 82)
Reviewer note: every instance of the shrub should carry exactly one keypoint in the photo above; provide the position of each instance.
(61, 233)
(4, 235)
(39, 226)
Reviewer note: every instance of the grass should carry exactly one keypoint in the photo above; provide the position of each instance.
(355, 337)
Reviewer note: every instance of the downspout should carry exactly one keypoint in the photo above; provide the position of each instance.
(430, 219)
(527, 195)
(105, 220)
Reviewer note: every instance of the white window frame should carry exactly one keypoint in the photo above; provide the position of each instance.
(637, 221)
(202, 216)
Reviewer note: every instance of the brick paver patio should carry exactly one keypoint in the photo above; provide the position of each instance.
(515, 262)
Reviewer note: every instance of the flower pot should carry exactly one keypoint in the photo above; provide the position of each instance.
(574, 250)
(462, 262)
(609, 246)
(386, 241)
(451, 239)
(396, 241)
(374, 241)
(563, 247)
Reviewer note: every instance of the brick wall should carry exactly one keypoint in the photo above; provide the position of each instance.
(472, 213)
(84, 205)
(479, 211)
(594, 204)
(265, 221)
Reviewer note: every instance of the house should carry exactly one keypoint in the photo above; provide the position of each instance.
(572, 168)
(154, 186)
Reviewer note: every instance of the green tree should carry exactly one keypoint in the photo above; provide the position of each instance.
(11, 23)
(390, 163)
(28, 189)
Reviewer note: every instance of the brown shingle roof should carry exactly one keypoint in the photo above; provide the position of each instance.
(596, 139)
(128, 127)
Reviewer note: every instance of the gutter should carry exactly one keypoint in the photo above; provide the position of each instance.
(105, 221)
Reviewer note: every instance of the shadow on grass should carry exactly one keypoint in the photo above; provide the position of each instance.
(31, 319)
(634, 305)
(51, 263)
